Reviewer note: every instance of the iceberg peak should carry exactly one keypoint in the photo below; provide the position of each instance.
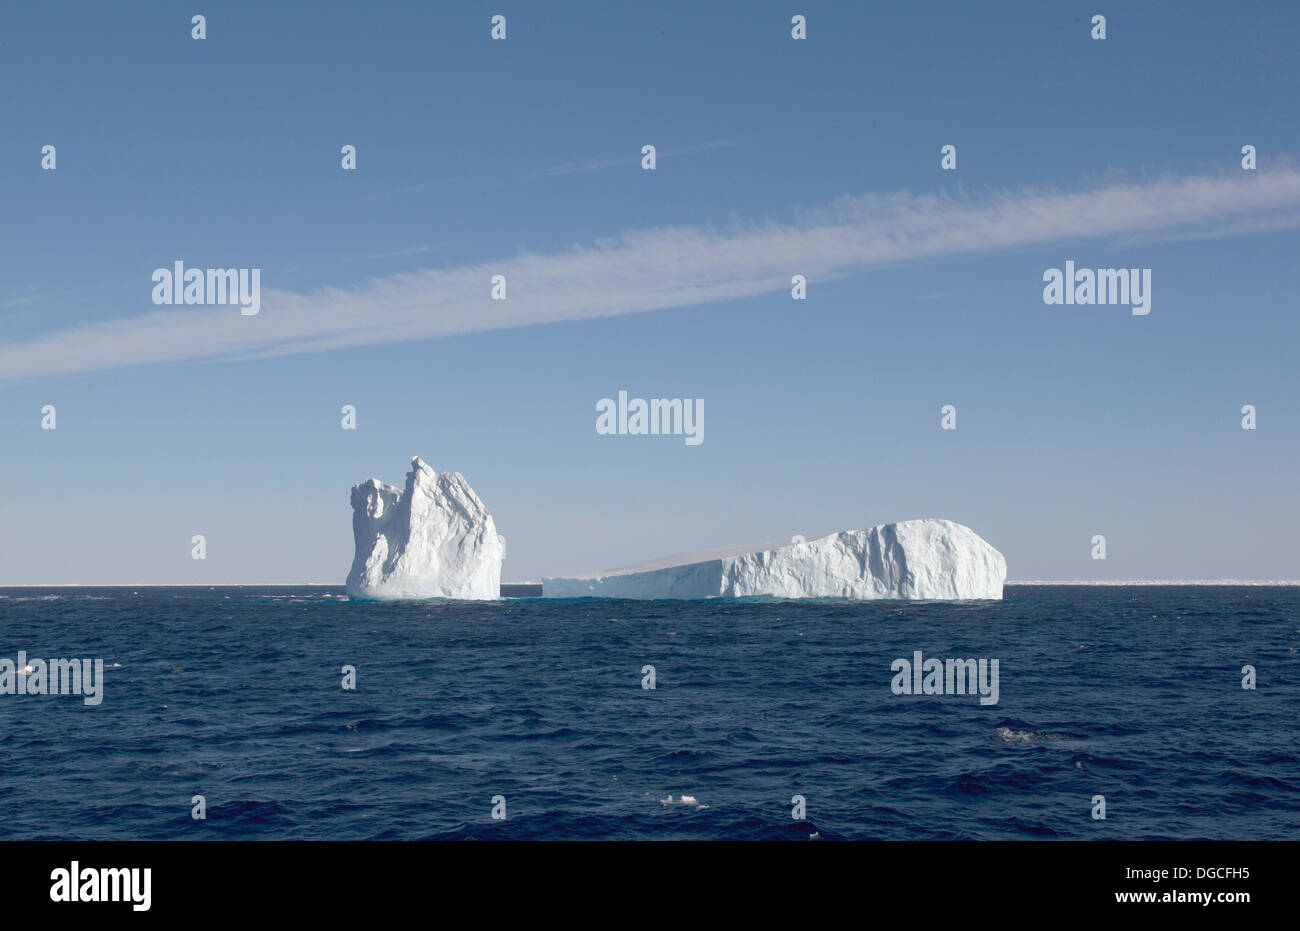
(432, 539)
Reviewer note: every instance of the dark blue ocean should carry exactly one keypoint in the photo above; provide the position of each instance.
(1133, 693)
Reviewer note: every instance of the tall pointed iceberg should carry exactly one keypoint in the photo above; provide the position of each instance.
(433, 539)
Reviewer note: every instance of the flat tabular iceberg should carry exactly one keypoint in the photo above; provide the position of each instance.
(930, 560)
(435, 539)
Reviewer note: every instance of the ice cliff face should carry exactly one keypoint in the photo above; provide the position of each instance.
(930, 560)
(434, 539)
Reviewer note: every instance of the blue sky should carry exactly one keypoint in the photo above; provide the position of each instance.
(775, 157)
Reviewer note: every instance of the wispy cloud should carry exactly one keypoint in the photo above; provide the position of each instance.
(656, 269)
(401, 253)
(634, 159)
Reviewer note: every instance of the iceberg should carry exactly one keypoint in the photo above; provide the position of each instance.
(924, 560)
(433, 539)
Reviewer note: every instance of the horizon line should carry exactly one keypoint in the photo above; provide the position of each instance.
(1016, 582)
